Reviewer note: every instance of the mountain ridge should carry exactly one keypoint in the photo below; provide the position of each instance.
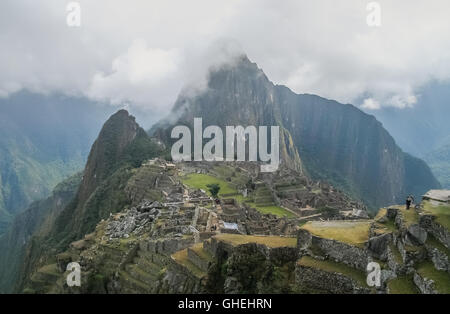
(335, 142)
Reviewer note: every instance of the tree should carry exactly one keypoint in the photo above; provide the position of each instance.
(213, 189)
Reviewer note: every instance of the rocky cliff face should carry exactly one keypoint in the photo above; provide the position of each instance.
(236, 95)
(330, 141)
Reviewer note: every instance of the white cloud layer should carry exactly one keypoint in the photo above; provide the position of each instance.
(144, 52)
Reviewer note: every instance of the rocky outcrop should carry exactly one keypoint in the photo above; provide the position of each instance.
(416, 234)
(379, 245)
(426, 286)
(440, 259)
(438, 231)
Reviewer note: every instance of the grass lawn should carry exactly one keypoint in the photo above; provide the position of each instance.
(351, 232)
(331, 266)
(269, 241)
(440, 210)
(402, 285)
(440, 278)
(200, 181)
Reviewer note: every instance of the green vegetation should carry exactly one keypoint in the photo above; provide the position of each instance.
(351, 232)
(269, 241)
(410, 216)
(440, 210)
(330, 266)
(402, 285)
(213, 189)
(440, 278)
(231, 174)
(201, 181)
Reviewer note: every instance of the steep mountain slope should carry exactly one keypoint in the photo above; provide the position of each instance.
(424, 127)
(121, 146)
(439, 161)
(240, 95)
(34, 221)
(336, 142)
(44, 140)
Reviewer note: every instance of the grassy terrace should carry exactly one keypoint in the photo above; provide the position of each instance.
(269, 241)
(200, 181)
(440, 210)
(237, 177)
(351, 232)
(409, 216)
(273, 209)
(181, 257)
(402, 285)
(384, 227)
(381, 213)
(330, 266)
(198, 249)
(440, 278)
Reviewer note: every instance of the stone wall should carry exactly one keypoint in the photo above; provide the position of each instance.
(165, 246)
(331, 282)
(344, 253)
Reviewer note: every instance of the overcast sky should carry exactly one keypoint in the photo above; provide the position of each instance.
(143, 52)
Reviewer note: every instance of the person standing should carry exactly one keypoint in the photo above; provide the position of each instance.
(409, 200)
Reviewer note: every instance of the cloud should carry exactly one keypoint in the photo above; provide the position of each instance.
(142, 75)
(144, 52)
(370, 104)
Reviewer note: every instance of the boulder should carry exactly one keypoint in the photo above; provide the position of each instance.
(378, 245)
(417, 234)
